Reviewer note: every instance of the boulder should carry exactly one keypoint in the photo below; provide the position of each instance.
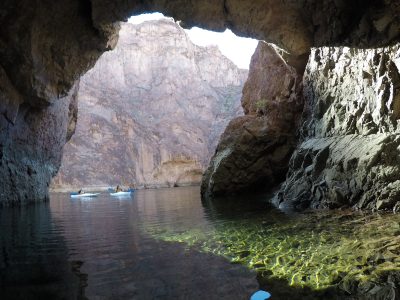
(250, 156)
(254, 151)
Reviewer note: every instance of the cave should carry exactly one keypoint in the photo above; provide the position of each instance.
(328, 140)
(45, 50)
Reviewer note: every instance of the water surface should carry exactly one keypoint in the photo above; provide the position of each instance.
(96, 248)
(167, 244)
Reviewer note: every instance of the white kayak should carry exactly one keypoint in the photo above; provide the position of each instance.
(84, 195)
(121, 194)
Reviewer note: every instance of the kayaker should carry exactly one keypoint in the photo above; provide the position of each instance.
(81, 191)
(118, 189)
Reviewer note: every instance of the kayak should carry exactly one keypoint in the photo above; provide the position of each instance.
(75, 195)
(122, 193)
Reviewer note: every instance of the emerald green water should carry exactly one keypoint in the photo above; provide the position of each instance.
(167, 244)
(316, 250)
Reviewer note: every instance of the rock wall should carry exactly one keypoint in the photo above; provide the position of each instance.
(151, 111)
(46, 47)
(43, 49)
(31, 145)
(254, 151)
(349, 155)
(292, 25)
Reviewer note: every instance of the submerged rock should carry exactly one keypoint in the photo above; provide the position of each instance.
(254, 151)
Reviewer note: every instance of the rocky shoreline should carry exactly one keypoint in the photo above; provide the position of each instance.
(102, 188)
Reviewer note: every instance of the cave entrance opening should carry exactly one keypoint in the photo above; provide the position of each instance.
(152, 110)
(238, 49)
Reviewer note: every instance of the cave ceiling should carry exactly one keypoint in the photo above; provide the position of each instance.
(47, 45)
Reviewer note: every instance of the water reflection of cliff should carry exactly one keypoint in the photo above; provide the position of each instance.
(123, 262)
(102, 234)
(34, 260)
(171, 205)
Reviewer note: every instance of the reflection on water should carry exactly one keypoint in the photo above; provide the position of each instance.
(96, 248)
(34, 262)
(166, 244)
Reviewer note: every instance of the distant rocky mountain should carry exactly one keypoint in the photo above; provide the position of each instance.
(151, 111)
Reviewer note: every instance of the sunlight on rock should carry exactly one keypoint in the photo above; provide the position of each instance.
(238, 49)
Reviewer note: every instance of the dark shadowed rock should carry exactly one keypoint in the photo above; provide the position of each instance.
(254, 151)
(250, 156)
(46, 47)
(292, 25)
(31, 148)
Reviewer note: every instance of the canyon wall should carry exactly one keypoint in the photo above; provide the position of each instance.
(349, 151)
(151, 111)
(254, 151)
(347, 143)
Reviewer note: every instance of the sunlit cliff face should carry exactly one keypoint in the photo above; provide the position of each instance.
(151, 111)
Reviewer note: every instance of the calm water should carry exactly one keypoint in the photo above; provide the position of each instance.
(98, 248)
(167, 244)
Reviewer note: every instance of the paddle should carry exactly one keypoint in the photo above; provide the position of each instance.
(260, 295)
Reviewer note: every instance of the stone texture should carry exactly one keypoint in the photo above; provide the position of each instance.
(46, 47)
(250, 157)
(31, 148)
(350, 150)
(43, 49)
(254, 151)
(151, 111)
(292, 25)
(272, 89)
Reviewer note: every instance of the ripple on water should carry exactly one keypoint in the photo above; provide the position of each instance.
(167, 244)
(100, 251)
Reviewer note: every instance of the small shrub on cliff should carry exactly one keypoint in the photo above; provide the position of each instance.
(261, 106)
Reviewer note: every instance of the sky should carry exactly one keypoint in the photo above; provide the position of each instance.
(237, 49)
